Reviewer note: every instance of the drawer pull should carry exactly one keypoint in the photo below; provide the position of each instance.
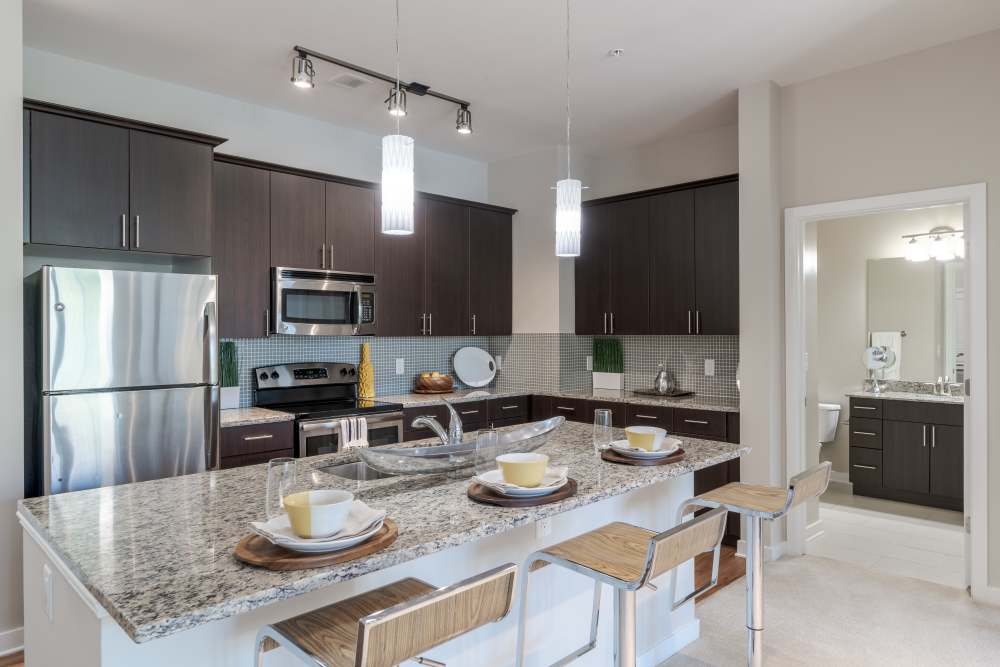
(868, 433)
(702, 422)
(866, 407)
(470, 412)
(565, 409)
(267, 436)
(509, 407)
(858, 465)
(646, 417)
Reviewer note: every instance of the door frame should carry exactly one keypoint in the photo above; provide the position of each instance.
(973, 197)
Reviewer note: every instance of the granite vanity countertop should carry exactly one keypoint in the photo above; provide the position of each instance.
(907, 396)
(158, 555)
(694, 402)
(248, 416)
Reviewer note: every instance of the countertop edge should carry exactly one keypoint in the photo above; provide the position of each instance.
(907, 396)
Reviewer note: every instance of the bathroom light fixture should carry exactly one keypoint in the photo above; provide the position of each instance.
(463, 122)
(303, 72)
(941, 243)
(569, 190)
(397, 167)
(396, 101)
(916, 251)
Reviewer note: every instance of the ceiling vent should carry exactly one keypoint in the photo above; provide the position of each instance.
(349, 80)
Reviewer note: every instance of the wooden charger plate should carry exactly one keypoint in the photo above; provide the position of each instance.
(612, 456)
(487, 496)
(257, 551)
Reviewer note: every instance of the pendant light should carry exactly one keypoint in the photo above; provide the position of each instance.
(397, 168)
(569, 190)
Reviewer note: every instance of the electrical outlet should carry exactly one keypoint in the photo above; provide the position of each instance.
(590, 363)
(543, 528)
(47, 591)
(400, 366)
(709, 367)
(499, 360)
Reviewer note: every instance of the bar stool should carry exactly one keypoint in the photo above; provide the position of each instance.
(625, 557)
(757, 503)
(391, 624)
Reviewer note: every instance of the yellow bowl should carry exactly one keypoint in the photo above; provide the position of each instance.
(649, 438)
(525, 470)
(318, 513)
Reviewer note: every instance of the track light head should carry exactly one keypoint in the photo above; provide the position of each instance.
(396, 102)
(303, 72)
(463, 122)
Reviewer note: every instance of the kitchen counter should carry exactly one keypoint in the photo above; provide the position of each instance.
(907, 396)
(157, 556)
(694, 402)
(249, 416)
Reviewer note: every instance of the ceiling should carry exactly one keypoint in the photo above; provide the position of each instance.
(683, 61)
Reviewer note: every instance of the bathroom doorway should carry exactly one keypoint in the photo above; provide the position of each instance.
(881, 307)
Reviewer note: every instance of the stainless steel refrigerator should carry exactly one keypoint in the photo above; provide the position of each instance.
(128, 376)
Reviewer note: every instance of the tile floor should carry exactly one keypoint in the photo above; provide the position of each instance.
(892, 537)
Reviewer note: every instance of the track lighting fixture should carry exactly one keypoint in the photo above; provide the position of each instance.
(396, 102)
(303, 72)
(463, 123)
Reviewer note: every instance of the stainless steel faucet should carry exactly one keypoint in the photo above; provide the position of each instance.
(454, 434)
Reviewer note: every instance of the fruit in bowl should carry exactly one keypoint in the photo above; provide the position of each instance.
(434, 381)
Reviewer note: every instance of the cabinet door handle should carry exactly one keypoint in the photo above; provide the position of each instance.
(612, 322)
(331, 257)
(564, 408)
(858, 465)
(605, 323)
(697, 321)
(267, 436)
(430, 324)
(470, 412)
(689, 321)
(267, 322)
(124, 231)
(700, 422)
(868, 433)
(925, 435)
(322, 255)
(509, 407)
(646, 417)
(423, 324)
(865, 407)
(136, 231)
(933, 437)
(473, 324)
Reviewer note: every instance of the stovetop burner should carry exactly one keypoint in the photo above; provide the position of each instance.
(320, 410)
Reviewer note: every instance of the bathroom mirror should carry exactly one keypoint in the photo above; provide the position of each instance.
(916, 309)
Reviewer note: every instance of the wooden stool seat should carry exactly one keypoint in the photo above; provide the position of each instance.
(618, 550)
(749, 498)
(330, 633)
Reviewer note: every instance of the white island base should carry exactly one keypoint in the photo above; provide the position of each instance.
(64, 624)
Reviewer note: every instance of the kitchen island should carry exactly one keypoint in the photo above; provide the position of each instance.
(144, 573)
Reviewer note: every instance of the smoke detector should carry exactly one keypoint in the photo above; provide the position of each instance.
(616, 53)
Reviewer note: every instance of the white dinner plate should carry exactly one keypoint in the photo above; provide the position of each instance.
(670, 446)
(474, 366)
(308, 547)
(555, 479)
(362, 523)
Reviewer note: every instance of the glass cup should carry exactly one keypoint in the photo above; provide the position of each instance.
(602, 430)
(281, 476)
(487, 441)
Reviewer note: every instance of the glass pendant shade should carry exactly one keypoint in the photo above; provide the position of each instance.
(569, 193)
(397, 184)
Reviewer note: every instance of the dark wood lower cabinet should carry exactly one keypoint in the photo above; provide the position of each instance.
(905, 457)
(619, 412)
(257, 443)
(947, 462)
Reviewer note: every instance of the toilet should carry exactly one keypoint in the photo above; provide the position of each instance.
(829, 417)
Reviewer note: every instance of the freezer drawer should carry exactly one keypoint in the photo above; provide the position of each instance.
(126, 329)
(101, 439)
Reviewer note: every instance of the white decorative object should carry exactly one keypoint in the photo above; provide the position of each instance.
(569, 192)
(474, 366)
(609, 381)
(229, 398)
(397, 184)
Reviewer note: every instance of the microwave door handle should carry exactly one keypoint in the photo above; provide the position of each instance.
(357, 308)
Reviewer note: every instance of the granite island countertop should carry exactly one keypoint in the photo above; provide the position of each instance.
(694, 402)
(253, 415)
(907, 396)
(158, 555)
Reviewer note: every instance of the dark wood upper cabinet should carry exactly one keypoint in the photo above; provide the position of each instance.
(906, 456)
(717, 258)
(241, 255)
(490, 274)
(298, 222)
(171, 194)
(350, 228)
(447, 269)
(399, 270)
(672, 275)
(947, 461)
(591, 270)
(79, 182)
(628, 267)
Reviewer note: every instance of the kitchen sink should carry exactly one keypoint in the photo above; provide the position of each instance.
(360, 471)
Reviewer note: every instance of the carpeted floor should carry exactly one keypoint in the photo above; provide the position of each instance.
(825, 612)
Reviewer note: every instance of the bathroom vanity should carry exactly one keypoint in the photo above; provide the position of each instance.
(908, 447)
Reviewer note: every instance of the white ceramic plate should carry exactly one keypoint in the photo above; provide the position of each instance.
(474, 366)
(670, 446)
(309, 547)
(364, 519)
(555, 479)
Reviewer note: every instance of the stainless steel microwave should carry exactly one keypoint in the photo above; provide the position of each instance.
(308, 302)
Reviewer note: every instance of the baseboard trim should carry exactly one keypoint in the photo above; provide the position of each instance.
(771, 551)
(988, 595)
(11, 641)
(814, 530)
(672, 645)
(841, 481)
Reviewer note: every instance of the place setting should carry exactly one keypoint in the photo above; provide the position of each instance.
(308, 528)
(516, 479)
(642, 445)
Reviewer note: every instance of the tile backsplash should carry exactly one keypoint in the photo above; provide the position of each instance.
(529, 361)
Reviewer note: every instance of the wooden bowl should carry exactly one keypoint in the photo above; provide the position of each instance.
(428, 382)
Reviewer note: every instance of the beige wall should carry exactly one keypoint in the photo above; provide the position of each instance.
(922, 120)
(12, 445)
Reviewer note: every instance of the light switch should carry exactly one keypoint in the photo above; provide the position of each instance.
(590, 363)
(400, 366)
(499, 360)
(709, 367)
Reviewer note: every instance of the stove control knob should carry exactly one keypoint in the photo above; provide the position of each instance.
(274, 375)
(353, 372)
(263, 376)
(343, 372)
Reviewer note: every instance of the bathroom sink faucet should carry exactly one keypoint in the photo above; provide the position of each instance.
(454, 434)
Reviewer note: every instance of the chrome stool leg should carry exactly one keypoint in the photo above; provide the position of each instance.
(755, 591)
(624, 628)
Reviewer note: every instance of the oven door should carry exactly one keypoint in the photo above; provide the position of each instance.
(322, 303)
(323, 436)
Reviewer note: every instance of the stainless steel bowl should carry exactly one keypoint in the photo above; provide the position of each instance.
(449, 458)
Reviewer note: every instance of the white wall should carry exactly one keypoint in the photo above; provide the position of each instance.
(919, 121)
(253, 131)
(12, 445)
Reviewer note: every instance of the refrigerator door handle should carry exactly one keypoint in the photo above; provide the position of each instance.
(212, 343)
(213, 452)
